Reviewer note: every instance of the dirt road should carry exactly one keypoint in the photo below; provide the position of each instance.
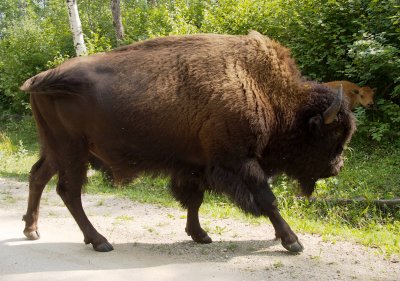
(150, 244)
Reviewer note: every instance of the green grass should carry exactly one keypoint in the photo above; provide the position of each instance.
(142, 189)
(372, 171)
(18, 147)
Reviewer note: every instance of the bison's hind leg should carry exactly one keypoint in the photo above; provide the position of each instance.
(187, 187)
(71, 178)
(42, 171)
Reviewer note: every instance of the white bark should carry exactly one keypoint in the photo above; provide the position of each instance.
(152, 3)
(22, 4)
(76, 28)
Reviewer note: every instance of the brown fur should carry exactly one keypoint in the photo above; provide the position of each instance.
(355, 94)
(215, 112)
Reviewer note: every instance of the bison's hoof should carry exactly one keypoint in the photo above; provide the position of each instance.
(32, 235)
(295, 247)
(204, 239)
(103, 247)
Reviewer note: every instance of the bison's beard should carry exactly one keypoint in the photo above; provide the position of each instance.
(308, 179)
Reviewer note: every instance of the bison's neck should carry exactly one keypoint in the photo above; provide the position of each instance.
(285, 145)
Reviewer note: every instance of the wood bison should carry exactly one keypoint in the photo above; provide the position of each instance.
(214, 112)
(356, 95)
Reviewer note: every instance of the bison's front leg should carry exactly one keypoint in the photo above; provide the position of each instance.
(188, 190)
(193, 227)
(247, 185)
(268, 204)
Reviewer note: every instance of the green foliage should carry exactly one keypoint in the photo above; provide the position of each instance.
(143, 21)
(373, 60)
(380, 124)
(57, 60)
(377, 62)
(319, 34)
(388, 125)
(19, 59)
(96, 43)
(27, 43)
(18, 145)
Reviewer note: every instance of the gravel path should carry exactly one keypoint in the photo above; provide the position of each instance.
(150, 244)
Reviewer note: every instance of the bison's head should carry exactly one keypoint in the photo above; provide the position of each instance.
(366, 96)
(322, 127)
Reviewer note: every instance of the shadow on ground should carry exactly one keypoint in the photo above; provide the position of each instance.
(31, 256)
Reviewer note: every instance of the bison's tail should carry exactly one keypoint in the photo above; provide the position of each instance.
(55, 82)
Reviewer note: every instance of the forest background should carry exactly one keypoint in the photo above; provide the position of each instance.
(355, 40)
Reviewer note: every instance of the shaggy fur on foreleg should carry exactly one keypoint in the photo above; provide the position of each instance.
(250, 190)
(226, 182)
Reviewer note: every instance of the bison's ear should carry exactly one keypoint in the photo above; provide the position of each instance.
(315, 125)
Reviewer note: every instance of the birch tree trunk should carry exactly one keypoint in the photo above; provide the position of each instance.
(152, 3)
(117, 20)
(22, 4)
(76, 28)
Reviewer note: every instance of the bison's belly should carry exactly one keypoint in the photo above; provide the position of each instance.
(127, 155)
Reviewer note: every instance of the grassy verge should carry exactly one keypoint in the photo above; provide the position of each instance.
(18, 146)
(372, 171)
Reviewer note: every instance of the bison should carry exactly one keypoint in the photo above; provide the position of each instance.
(356, 95)
(213, 112)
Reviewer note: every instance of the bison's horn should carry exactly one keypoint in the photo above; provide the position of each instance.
(331, 112)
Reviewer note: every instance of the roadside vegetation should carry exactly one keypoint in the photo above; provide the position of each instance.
(331, 40)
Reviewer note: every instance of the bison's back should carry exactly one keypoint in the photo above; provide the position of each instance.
(167, 101)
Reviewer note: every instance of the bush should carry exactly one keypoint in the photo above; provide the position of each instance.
(24, 53)
(377, 63)
(382, 123)
(28, 41)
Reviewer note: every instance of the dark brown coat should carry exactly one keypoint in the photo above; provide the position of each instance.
(215, 112)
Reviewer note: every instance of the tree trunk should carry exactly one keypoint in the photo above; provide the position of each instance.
(151, 3)
(117, 20)
(76, 28)
(22, 4)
